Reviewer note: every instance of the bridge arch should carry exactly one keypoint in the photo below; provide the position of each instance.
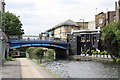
(60, 47)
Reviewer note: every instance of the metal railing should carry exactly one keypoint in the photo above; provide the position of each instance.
(35, 38)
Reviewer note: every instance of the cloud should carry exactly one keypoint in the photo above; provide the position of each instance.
(39, 15)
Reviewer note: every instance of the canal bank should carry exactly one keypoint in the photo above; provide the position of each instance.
(88, 58)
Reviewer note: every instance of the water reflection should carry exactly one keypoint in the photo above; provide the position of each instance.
(42, 58)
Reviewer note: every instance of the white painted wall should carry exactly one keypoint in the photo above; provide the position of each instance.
(91, 25)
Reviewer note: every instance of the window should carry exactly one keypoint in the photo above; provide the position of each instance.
(88, 37)
(114, 18)
(65, 33)
(100, 21)
(66, 27)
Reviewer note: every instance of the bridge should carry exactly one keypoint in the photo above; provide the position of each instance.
(60, 46)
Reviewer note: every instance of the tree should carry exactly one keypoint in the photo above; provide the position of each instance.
(111, 39)
(11, 24)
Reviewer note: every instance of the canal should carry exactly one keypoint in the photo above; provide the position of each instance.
(83, 69)
(79, 69)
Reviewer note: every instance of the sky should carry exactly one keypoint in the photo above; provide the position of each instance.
(39, 15)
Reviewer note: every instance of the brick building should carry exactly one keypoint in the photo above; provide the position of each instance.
(100, 19)
(110, 17)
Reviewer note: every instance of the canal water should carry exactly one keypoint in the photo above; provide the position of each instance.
(83, 69)
(79, 69)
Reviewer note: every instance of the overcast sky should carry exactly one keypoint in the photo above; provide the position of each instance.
(39, 15)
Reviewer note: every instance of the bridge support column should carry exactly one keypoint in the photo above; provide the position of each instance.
(61, 54)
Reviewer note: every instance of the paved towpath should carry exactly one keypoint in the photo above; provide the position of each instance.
(24, 68)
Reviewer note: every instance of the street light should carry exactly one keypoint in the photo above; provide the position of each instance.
(83, 22)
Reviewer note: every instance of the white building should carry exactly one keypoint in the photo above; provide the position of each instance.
(91, 25)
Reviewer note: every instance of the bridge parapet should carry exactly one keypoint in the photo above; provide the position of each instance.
(31, 38)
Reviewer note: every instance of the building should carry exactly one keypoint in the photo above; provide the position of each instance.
(83, 40)
(61, 30)
(117, 9)
(91, 25)
(110, 17)
(100, 20)
(84, 25)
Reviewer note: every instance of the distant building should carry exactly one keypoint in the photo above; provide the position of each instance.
(84, 25)
(117, 9)
(91, 25)
(61, 30)
(100, 19)
(110, 17)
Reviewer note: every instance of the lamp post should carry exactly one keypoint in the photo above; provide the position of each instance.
(83, 22)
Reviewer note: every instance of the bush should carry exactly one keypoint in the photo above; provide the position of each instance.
(88, 51)
(92, 51)
(95, 52)
(11, 53)
(117, 59)
(10, 59)
(50, 52)
(83, 52)
(30, 50)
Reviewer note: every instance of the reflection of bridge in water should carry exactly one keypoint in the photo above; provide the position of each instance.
(59, 46)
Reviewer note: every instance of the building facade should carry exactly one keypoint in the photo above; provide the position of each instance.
(84, 25)
(62, 30)
(100, 20)
(83, 40)
(91, 25)
(110, 17)
(117, 9)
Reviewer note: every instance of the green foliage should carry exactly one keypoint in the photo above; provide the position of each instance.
(12, 24)
(88, 51)
(30, 50)
(117, 59)
(83, 52)
(50, 52)
(95, 52)
(10, 59)
(11, 53)
(92, 51)
(111, 39)
(38, 51)
(82, 41)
